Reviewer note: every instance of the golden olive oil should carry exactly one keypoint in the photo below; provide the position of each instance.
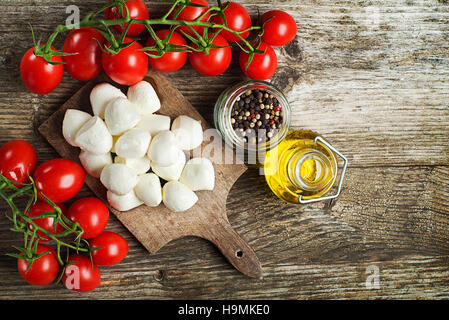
(300, 166)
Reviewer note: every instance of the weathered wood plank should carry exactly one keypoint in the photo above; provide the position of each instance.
(393, 216)
(371, 76)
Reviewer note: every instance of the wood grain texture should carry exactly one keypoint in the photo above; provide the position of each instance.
(372, 77)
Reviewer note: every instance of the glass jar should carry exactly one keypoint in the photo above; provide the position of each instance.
(303, 168)
(223, 114)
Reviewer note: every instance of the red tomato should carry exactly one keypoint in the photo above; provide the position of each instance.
(137, 10)
(87, 63)
(44, 270)
(127, 67)
(16, 156)
(92, 215)
(59, 179)
(280, 29)
(115, 248)
(237, 19)
(82, 275)
(263, 65)
(214, 63)
(191, 13)
(38, 75)
(170, 61)
(37, 209)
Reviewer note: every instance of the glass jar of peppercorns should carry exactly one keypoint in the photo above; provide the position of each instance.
(253, 116)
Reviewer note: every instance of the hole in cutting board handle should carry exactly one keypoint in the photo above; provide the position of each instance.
(239, 254)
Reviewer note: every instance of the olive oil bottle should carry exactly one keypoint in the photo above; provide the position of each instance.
(303, 168)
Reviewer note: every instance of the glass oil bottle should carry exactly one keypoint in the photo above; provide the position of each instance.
(303, 168)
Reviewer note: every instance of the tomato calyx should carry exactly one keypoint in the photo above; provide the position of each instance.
(253, 52)
(45, 51)
(162, 46)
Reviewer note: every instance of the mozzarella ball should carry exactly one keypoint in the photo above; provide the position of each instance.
(198, 174)
(188, 132)
(154, 123)
(163, 150)
(178, 197)
(123, 202)
(73, 121)
(94, 137)
(101, 95)
(119, 178)
(144, 97)
(133, 143)
(121, 115)
(172, 172)
(93, 163)
(139, 165)
(149, 189)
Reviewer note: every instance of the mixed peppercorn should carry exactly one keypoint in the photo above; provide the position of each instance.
(256, 116)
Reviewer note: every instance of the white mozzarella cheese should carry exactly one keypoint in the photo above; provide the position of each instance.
(178, 197)
(149, 189)
(101, 95)
(94, 137)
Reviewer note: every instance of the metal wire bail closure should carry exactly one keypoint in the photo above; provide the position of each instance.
(345, 165)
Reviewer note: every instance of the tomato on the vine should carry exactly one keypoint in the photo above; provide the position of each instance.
(262, 66)
(237, 19)
(16, 157)
(127, 67)
(92, 215)
(214, 63)
(59, 179)
(114, 248)
(44, 270)
(191, 13)
(38, 209)
(280, 29)
(170, 61)
(38, 75)
(86, 64)
(80, 274)
(137, 10)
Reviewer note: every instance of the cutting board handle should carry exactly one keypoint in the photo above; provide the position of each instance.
(234, 248)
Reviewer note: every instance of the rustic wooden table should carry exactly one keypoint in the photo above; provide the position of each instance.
(370, 76)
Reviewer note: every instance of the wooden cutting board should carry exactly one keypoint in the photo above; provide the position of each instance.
(154, 227)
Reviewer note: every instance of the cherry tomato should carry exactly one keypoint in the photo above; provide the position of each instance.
(237, 19)
(92, 215)
(115, 248)
(16, 157)
(191, 13)
(263, 65)
(280, 29)
(38, 209)
(87, 63)
(170, 61)
(127, 67)
(44, 270)
(137, 10)
(214, 63)
(80, 274)
(59, 179)
(38, 75)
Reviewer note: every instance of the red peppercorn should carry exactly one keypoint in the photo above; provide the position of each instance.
(271, 121)
(277, 108)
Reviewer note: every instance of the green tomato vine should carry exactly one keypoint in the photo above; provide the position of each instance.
(11, 191)
(200, 42)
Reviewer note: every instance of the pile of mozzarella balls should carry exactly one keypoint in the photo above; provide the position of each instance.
(130, 148)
